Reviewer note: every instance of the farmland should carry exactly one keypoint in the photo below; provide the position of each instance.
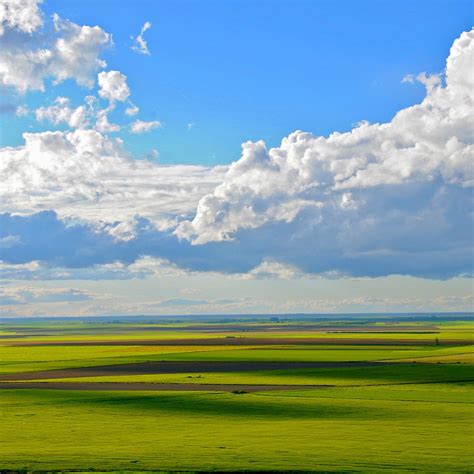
(319, 396)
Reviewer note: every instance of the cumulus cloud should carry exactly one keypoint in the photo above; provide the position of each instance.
(132, 110)
(140, 45)
(70, 51)
(113, 86)
(20, 15)
(61, 112)
(103, 125)
(360, 179)
(392, 198)
(76, 52)
(88, 115)
(139, 126)
(85, 175)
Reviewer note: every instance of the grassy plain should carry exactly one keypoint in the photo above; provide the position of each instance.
(411, 411)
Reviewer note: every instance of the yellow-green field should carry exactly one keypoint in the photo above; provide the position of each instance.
(325, 396)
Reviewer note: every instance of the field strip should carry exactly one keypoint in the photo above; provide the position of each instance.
(249, 341)
(184, 387)
(177, 367)
(434, 357)
(143, 386)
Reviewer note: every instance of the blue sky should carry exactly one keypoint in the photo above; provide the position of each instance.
(251, 156)
(249, 70)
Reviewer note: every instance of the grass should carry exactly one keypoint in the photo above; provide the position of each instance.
(321, 353)
(391, 418)
(360, 376)
(386, 331)
(32, 358)
(364, 429)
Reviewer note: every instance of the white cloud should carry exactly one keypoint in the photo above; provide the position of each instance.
(103, 125)
(139, 126)
(377, 305)
(132, 110)
(9, 241)
(113, 86)
(274, 270)
(24, 295)
(22, 111)
(76, 52)
(430, 81)
(140, 45)
(31, 300)
(393, 198)
(84, 174)
(408, 79)
(20, 15)
(35, 271)
(24, 70)
(153, 154)
(89, 115)
(427, 145)
(61, 112)
(71, 51)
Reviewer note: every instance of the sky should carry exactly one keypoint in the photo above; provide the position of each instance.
(205, 157)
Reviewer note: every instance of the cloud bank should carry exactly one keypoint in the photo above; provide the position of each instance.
(82, 174)
(392, 198)
(429, 145)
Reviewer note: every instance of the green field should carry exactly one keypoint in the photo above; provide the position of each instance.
(395, 397)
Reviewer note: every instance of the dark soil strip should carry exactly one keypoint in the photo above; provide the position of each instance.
(250, 341)
(181, 367)
(165, 387)
(188, 387)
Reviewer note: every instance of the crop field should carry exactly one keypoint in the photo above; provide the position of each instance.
(302, 396)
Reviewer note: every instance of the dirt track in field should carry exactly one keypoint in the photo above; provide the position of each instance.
(165, 387)
(180, 367)
(247, 341)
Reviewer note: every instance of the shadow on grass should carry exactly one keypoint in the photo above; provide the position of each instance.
(241, 405)
(211, 404)
(398, 373)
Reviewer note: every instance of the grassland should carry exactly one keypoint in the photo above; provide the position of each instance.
(380, 396)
